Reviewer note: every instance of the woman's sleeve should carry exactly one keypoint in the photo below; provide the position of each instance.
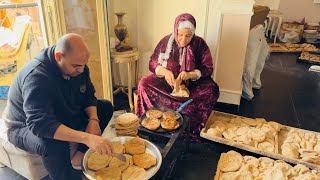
(205, 65)
(153, 63)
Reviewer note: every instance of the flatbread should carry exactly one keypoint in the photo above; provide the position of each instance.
(169, 124)
(97, 161)
(231, 161)
(214, 132)
(154, 114)
(109, 173)
(135, 146)
(170, 115)
(118, 147)
(127, 119)
(150, 123)
(115, 162)
(134, 173)
(257, 135)
(144, 160)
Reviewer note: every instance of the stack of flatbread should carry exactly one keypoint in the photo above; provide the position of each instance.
(301, 145)
(234, 166)
(137, 161)
(127, 125)
(257, 133)
(180, 90)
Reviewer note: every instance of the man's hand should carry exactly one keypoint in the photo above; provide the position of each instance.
(93, 127)
(168, 75)
(99, 144)
(184, 76)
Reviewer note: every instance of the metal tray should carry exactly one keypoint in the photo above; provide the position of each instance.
(150, 148)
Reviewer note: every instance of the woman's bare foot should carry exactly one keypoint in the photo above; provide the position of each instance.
(76, 159)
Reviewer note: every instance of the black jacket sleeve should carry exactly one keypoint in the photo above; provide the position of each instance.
(90, 98)
(38, 105)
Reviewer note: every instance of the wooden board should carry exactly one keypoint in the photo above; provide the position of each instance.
(280, 138)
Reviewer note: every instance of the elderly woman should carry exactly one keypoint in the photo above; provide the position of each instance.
(180, 55)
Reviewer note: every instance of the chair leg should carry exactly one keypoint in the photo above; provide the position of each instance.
(269, 25)
(278, 28)
(273, 26)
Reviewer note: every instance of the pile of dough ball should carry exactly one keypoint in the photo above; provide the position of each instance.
(257, 133)
(311, 57)
(235, 166)
(300, 145)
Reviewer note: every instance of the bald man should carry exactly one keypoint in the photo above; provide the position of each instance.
(51, 103)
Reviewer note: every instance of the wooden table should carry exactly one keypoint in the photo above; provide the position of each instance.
(129, 57)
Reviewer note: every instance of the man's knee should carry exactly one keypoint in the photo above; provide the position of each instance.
(104, 109)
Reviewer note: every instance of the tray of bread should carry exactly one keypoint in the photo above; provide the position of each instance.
(232, 165)
(143, 160)
(310, 57)
(294, 48)
(265, 138)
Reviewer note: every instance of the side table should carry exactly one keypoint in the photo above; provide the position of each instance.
(129, 57)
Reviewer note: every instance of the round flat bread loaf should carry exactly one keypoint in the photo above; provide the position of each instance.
(170, 115)
(257, 135)
(127, 119)
(214, 132)
(97, 161)
(154, 114)
(134, 173)
(118, 148)
(151, 123)
(250, 122)
(144, 160)
(290, 151)
(169, 124)
(221, 126)
(135, 146)
(109, 173)
(299, 169)
(229, 176)
(115, 162)
(231, 161)
(266, 162)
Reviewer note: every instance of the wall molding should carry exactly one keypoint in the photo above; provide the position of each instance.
(230, 97)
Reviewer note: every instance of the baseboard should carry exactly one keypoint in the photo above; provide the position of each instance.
(227, 108)
(230, 97)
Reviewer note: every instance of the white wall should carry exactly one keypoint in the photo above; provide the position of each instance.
(156, 20)
(272, 4)
(151, 20)
(296, 10)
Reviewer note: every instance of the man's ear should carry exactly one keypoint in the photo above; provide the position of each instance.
(58, 56)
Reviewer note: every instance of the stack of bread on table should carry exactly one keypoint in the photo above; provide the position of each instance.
(302, 145)
(137, 161)
(127, 124)
(234, 166)
(257, 133)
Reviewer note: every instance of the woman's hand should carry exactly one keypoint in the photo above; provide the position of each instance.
(168, 75)
(184, 76)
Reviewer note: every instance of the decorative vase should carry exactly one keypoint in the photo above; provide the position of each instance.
(122, 33)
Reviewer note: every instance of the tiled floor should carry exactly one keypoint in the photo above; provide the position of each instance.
(290, 95)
